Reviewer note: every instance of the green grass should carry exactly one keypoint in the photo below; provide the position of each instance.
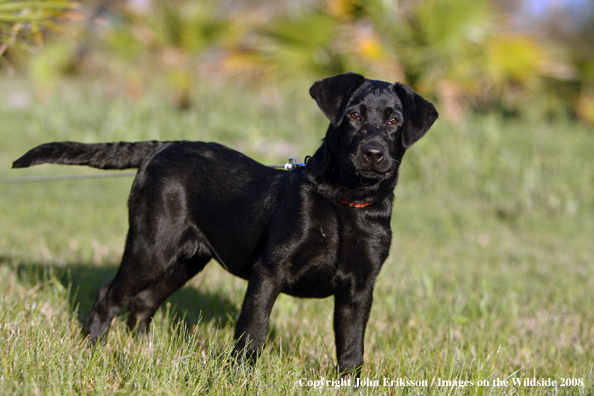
(491, 272)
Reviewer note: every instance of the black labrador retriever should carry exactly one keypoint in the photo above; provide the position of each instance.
(314, 232)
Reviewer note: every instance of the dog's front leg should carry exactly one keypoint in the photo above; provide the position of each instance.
(351, 311)
(252, 325)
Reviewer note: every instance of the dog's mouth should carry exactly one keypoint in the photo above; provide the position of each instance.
(371, 173)
(365, 171)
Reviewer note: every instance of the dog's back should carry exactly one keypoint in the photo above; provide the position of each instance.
(216, 189)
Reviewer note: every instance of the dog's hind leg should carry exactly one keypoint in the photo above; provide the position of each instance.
(144, 305)
(110, 300)
(160, 242)
(138, 272)
(104, 309)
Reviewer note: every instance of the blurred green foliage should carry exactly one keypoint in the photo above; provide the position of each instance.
(22, 22)
(464, 54)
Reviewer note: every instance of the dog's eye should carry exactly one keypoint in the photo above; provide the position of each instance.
(355, 115)
(393, 121)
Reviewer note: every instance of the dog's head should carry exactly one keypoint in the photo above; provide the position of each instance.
(372, 123)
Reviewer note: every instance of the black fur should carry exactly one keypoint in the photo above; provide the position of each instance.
(119, 155)
(316, 231)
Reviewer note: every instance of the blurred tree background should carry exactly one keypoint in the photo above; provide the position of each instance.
(515, 57)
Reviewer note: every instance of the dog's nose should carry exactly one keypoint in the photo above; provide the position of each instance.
(373, 154)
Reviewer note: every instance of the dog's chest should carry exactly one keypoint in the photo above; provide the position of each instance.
(337, 256)
(363, 247)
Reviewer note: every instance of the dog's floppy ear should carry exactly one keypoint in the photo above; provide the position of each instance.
(419, 114)
(332, 94)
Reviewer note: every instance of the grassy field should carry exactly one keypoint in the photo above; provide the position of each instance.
(490, 277)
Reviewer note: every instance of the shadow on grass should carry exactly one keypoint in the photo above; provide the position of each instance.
(84, 280)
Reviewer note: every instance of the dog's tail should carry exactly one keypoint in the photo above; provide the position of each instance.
(120, 155)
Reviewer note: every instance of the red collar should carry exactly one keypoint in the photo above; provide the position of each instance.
(357, 205)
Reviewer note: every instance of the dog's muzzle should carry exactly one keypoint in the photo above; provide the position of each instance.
(373, 159)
